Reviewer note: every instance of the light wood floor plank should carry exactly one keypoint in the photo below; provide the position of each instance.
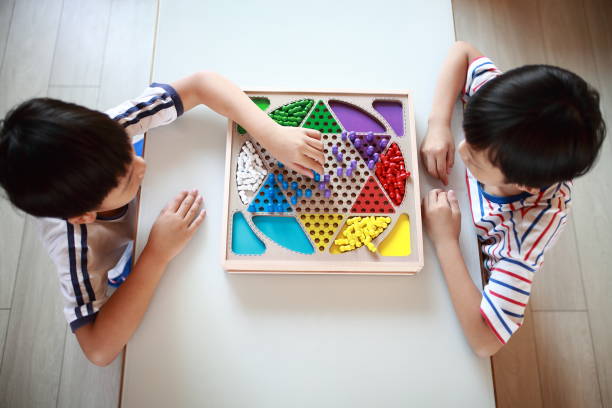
(515, 368)
(11, 225)
(592, 212)
(566, 362)
(80, 43)
(474, 24)
(129, 51)
(4, 318)
(25, 74)
(565, 47)
(6, 12)
(30, 372)
(518, 33)
(87, 97)
(558, 285)
(586, 50)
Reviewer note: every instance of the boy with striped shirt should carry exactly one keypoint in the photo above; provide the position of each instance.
(79, 170)
(528, 133)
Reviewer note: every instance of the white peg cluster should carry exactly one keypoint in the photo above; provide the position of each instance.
(250, 173)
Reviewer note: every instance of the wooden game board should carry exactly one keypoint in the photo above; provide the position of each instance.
(270, 229)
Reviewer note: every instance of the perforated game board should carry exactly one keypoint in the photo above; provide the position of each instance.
(361, 216)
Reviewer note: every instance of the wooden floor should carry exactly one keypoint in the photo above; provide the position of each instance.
(96, 53)
(562, 357)
(99, 53)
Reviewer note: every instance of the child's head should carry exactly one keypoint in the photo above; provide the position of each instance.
(532, 126)
(62, 160)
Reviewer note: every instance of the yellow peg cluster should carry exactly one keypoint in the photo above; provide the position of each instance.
(361, 231)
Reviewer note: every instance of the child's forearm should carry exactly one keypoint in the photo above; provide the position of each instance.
(466, 299)
(451, 82)
(121, 315)
(225, 98)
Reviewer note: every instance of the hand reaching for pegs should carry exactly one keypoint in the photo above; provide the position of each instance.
(299, 149)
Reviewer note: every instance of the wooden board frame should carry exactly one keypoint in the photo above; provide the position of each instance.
(286, 262)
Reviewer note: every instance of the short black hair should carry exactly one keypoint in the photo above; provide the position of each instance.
(59, 159)
(540, 124)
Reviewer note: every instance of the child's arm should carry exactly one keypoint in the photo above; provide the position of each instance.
(438, 148)
(104, 338)
(298, 148)
(442, 219)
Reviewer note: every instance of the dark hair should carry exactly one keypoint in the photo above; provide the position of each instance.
(59, 159)
(539, 124)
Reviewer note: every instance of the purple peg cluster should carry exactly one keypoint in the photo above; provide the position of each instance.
(323, 186)
(342, 170)
(369, 146)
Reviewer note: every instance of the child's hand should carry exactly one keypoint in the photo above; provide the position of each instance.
(441, 216)
(297, 148)
(438, 151)
(175, 225)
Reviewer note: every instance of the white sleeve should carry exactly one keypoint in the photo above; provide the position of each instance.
(158, 105)
(68, 248)
(480, 71)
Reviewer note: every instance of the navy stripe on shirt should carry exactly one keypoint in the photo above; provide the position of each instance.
(73, 273)
(90, 292)
(519, 263)
(514, 288)
(520, 316)
(503, 322)
(140, 106)
(178, 103)
(144, 114)
(82, 321)
(535, 222)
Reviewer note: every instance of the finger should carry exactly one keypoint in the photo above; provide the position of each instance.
(441, 168)
(431, 166)
(309, 163)
(433, 196)
(194, 209)
(425, 204)
(176, 202)
(315, 134)
(442, 199)
(454, 203)
(198, 221)
(315, 154)
(303, 170)
(450, 159)
(186, 204)
(315, 144)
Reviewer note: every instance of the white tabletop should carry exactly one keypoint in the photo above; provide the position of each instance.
(210, 339)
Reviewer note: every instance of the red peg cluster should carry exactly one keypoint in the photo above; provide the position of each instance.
(391, 171)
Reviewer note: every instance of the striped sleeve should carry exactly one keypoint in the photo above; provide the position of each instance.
(81, 304)
(505, 297)
(158, 105)
(507, 292)
(480, 71)
(69, 249)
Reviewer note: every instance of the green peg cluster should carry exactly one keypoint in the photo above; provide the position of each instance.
(322, 120)
(293, 113)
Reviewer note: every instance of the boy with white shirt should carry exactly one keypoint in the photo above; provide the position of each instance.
(77, 171)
